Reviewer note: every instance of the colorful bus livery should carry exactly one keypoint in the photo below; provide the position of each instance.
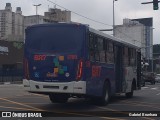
(66, 60)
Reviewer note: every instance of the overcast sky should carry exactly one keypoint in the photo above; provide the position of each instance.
(99, 10)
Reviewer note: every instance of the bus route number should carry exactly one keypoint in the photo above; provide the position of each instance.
(39, 57)
(96, 70)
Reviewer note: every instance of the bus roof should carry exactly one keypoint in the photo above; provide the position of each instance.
(55, 24)
(118, 40)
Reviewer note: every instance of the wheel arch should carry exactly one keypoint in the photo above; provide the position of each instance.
(107, 80)
(134, 84)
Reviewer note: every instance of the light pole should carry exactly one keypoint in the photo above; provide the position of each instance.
(113, 18)
(37, 12)
(37, 8)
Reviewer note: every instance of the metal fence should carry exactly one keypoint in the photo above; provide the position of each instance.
(11, 75)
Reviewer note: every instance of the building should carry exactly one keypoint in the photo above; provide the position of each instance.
(138, 33)
(52, 16)
(11, 24)
(33, 20)
(17, 26)
(148, 23)
(11, 61)
(57, 15)
(12, 34)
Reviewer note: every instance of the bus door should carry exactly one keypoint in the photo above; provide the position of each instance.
(139, 70)
(119, 71)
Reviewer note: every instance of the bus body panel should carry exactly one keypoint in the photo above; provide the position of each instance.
(130, 75)
(54, 68)
(96, 76)
(49, 62)
(72, 87)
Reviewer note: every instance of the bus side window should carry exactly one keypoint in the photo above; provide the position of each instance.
(97, 57)
(132, 57)
(94, 48)
(106, 49)
(125, 56)
(110, 53)
(129, 56)
(101, 49)
(91, 47)
(115, 53)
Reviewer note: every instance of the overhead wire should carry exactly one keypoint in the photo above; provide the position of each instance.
(91, 19)
(79, 14)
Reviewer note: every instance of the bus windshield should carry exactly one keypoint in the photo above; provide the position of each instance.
(53, 38)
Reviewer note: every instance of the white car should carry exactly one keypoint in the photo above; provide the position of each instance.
(157, 78)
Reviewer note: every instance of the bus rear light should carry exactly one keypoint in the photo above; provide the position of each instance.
(80, 69)
(26, 69)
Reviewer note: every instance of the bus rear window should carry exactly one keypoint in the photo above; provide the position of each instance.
(54, 38)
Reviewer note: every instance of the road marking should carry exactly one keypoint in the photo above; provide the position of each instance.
(24, 103)
(9, 84)
(125, 112)
(108, 118)
(148, 118)
(139, 104)
(145, 87)
(120, 112)
(106, 108)
(111, 110)
(158, 94)
(17, 108)
(46, 96)
(10, 101)
(87, 115)
(154, 88)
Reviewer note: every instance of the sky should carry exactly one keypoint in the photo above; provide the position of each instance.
(98, 10)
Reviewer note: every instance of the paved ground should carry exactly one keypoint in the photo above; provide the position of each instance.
(14, 98)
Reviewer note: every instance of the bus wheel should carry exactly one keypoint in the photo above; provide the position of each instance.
(104, 100)
(130, 94)
(58, 98)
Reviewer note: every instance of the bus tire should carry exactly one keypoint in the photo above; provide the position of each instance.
(153, 82)
(104, 100)
(58, 98)
(130, 94)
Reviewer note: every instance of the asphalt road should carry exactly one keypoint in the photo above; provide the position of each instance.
(146, 100)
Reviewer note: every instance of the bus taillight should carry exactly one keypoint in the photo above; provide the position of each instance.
(79, 70)
(26, 69)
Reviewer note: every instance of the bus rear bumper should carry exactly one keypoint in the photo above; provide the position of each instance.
(74, 87)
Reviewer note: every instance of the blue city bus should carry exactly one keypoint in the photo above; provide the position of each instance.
(65, 60)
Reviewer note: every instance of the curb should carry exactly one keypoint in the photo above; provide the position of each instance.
(8, 83)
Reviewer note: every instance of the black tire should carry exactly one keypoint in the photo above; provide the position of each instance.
(130, 94)
(104, 100)
(143, 84)
(153, 82)
(58, 98)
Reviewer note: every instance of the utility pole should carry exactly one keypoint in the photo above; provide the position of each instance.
(37, 12)
(37, 8)
(113, 22)
(155, 4)
(113, 19)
